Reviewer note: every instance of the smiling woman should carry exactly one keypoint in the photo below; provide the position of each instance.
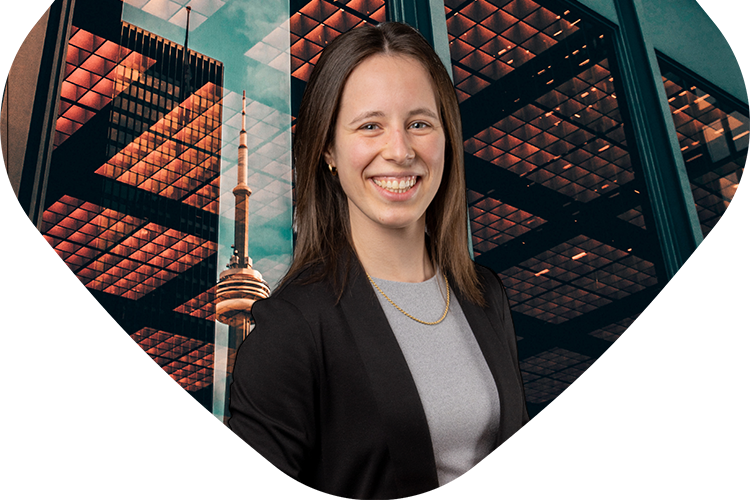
(385, 364)
(388, 149)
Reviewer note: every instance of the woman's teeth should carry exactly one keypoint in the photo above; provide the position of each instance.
(400, 185)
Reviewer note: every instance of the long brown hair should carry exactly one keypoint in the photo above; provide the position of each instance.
(322, 212)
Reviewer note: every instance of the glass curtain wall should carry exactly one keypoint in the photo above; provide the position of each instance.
(712, 130)
(140, 205)
(556, 202)
(133, 192)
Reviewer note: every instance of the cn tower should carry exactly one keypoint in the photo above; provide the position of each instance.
(240, 285)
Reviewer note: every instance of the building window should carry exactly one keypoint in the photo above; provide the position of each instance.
(556, 202)
(713, 134)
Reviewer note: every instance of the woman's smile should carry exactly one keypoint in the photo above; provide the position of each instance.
(398, 185)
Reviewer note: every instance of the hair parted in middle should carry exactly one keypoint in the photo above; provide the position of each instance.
(322, 210)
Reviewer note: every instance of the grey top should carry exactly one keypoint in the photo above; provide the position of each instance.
(455, 385)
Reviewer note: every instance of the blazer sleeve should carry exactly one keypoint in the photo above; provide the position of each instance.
(273, 391)
(498, 301)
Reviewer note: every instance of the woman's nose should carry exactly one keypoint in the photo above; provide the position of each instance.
(398, 147)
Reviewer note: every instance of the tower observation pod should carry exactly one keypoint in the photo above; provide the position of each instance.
(240, 285)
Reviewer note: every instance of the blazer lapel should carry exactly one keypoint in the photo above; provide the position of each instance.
(392, 385)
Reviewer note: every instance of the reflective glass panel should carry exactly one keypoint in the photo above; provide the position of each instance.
(556, 203)
(712, 130)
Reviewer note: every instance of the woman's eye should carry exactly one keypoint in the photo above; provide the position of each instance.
(419, 125)
(369, 126)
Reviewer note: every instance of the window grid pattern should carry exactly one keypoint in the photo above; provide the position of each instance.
(96, 70)
(117, 253)
(188, 361)
(159, 90)
(319, 22)
(178, 157)
(547, 374)
(174, 10)
(144, 261)
(710, 140)
(574, 278)
(634, 216)
(494, 222)
(274, 267)
(612, 332)
(273, 49)
(489, 39)
(300, 42)
(571, 139)
(702, 125)
(713, 191)
(202, 306)
(551, 76)
(80, 231)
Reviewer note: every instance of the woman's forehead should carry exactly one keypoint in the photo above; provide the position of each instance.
(389, 78)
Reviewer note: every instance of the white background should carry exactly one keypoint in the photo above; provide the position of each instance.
(87, 414)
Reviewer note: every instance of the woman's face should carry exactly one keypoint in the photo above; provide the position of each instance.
(389, 144)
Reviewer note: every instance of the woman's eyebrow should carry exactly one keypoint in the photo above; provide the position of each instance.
(424, 111)
(379, 114)
(367, 115)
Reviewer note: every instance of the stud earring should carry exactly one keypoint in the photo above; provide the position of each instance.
(333, 170)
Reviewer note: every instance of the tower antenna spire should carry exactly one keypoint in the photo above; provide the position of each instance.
(185, 83)
(240, 285)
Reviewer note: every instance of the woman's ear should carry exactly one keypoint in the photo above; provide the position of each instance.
(328, 157)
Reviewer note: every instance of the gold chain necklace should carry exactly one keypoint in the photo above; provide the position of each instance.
(447, 302)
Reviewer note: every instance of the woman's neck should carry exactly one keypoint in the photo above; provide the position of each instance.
(394, 254)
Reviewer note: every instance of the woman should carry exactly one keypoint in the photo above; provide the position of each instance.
(385, 363)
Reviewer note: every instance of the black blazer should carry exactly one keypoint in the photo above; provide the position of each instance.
(322, 390)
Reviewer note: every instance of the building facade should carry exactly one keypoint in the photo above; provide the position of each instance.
(602, 144)
(129, 199)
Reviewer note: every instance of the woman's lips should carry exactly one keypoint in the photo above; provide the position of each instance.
(396, 185)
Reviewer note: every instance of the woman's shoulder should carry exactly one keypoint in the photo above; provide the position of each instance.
(304, 288)
(292, 313)
(487, 276)
(297, 311)
(492, 286)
